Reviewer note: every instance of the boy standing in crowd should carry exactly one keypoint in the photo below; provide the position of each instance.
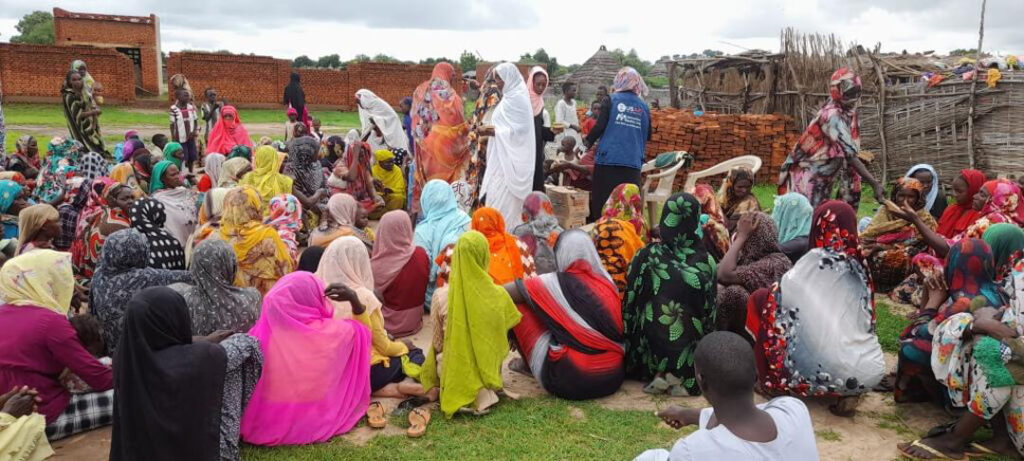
(185, 126)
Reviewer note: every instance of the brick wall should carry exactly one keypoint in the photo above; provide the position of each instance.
(242, 80)
(714, 138)
(256, 81)
(110, 31)
(36, 72)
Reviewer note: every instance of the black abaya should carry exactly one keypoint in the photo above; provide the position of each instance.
(168, 390)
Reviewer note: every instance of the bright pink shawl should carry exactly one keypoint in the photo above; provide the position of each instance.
(226, 135)
(392, 249)
(316, 369)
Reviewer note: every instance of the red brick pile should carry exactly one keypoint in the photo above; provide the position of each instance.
(715, 138)
(260, 80)
(36, 72)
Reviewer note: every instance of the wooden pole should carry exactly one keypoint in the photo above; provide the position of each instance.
(881, 117)
(974, 86)
(673, 89)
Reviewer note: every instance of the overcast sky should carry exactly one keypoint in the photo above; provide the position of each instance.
(570, 30)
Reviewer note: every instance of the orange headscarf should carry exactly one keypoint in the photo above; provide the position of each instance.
(506, 259)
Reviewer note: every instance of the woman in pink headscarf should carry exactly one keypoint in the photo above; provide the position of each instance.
(397, 258)
(228, 132)
(537, 84)
(439, 130)
(304, 397)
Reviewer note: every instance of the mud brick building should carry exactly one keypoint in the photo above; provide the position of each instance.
(137, 37)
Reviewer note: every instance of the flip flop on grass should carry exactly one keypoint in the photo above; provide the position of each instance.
(932, 453)
(419, 418)
(376, 417)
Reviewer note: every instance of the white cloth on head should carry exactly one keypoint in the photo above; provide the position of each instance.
(794, 438)
(376, 109)
(933, 193)
(511, 152)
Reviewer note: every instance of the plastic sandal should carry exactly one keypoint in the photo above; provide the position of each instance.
(978, 450)
(933, 453)
(376, 416)
(418, 421)
(657, 386)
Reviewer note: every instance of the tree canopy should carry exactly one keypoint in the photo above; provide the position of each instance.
(467, 61)
(303, 61)
(541, 57)
(35, 28)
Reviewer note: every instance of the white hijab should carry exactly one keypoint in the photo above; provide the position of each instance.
(512, 150)
(376, 109)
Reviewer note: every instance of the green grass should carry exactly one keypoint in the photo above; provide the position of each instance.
(829, 435)
(765, 194)
(888, 325)
(52, 115)
(535, 428)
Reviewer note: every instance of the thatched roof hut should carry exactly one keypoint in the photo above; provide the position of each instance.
(600, 69)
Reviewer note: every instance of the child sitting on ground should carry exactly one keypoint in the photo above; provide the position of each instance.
(578, 170)
(158, 140)
(87, 328)
(316, 133)
(735, 428)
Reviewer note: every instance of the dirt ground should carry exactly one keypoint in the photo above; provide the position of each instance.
(872, 434)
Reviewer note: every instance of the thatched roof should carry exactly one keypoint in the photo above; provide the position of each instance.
(660, 68)
(600, 69)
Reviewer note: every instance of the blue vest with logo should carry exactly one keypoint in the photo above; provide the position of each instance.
(625, 137)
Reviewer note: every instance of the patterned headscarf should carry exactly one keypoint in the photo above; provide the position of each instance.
(628, 79)
(763, 240)
(303, 162)
(92, 166)
(213, 301)
(165, 252)
(626, 204)
(242, 151)
(834, 227)
(539, 222)
(708, 203)
(843, 80)
(9, 192)
(1007, 243)
(506, 263)
(971, 272)
(286, 217)
(1004, 198)
(40, 278)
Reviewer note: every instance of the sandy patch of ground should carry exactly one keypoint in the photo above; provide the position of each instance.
(872, 434)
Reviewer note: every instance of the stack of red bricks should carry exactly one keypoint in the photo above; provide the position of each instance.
(715, 138)
(36, 72)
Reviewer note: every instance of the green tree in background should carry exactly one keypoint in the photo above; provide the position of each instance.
(632, 59)
(467, 61)
(35, 28)
(303, 61)
(331, 61)
(541, 57)
(381, 57)
(432, 61)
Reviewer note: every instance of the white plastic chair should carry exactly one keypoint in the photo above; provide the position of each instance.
(655, 200)
(752, 162)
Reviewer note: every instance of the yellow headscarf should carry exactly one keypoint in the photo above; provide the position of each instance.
(40, 278)
(241, 223)
(265, 175)
(31, 219)
(393, 179)
(480, 313)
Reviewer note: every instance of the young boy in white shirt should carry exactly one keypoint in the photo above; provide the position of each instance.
(734, 428)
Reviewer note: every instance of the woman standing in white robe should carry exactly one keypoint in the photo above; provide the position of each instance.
(375, 111)
(511, 150)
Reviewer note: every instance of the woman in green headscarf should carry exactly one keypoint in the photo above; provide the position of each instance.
(474, 333)
(174, 153)
(792, 215)
(1007, 242)
(168, 187)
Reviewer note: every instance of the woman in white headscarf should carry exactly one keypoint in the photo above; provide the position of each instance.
(381, 126)
(511, 151)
